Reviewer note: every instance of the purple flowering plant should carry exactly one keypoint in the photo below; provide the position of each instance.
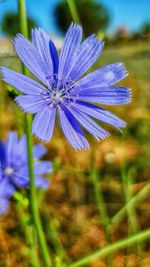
(59, 87)
(63, 88)
(14, 173)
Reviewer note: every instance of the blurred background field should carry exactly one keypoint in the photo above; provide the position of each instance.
(114, 169)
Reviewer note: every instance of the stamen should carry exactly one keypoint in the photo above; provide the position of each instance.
(58, 93)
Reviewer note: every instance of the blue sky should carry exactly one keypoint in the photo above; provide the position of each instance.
(129, 13)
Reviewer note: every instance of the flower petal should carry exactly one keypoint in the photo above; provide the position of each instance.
(31, 57)
(54, 56)
(41, 182)
(21, 154)
(113, 95)
(4, 205)
(43, 123)
(100, 114)
(42, 167)
(2, 153)
(1, 172)
(72, 130)
(39, 151)
(104, 77)
(21, 82)
(87, 54)
(21, 177)
(29, 103)
(6, 188)
(41, 40)
(68, 52)
(90, 125)
(11, 143)
(17, 149)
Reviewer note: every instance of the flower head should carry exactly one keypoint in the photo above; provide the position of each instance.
(63, 88)
(14, 171)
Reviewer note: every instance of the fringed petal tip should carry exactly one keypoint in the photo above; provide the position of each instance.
(30, 103)
(121, 68)
(124, 124)
(106, 136)
(37, 29)
(94, 39)
(19, 104)
(2, 74)
(83, 148)
(17, 38)
(130, 95)
(80, 147)
(1, 69)
(74, 25)
(128, 99)
(44, 141)
(99, 139)
(2, 78)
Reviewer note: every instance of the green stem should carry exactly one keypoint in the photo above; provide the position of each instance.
(112, 248)
(144, 192)
(74, 11)
(28, 121)
(29, 237)
(33, 201)
(127, 196)
(134, 226)
(103, 215)
(60, 251)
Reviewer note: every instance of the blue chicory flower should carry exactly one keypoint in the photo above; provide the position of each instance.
(63, 88)
(14, 171)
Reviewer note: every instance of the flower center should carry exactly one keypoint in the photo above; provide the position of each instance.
(57, 93)
(56, 97)
(8, 171)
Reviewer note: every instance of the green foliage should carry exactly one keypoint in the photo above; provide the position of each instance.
(93, 15)
(10, 24)
(146, 28)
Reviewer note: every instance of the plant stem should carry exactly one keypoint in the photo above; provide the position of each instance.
(133, 226)
(103, 214)
(139, 237)
(28, 121)
(33, 201)
(144, 192)
(133, 219)
(74, 11)
(56, 242)
(28, 233)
